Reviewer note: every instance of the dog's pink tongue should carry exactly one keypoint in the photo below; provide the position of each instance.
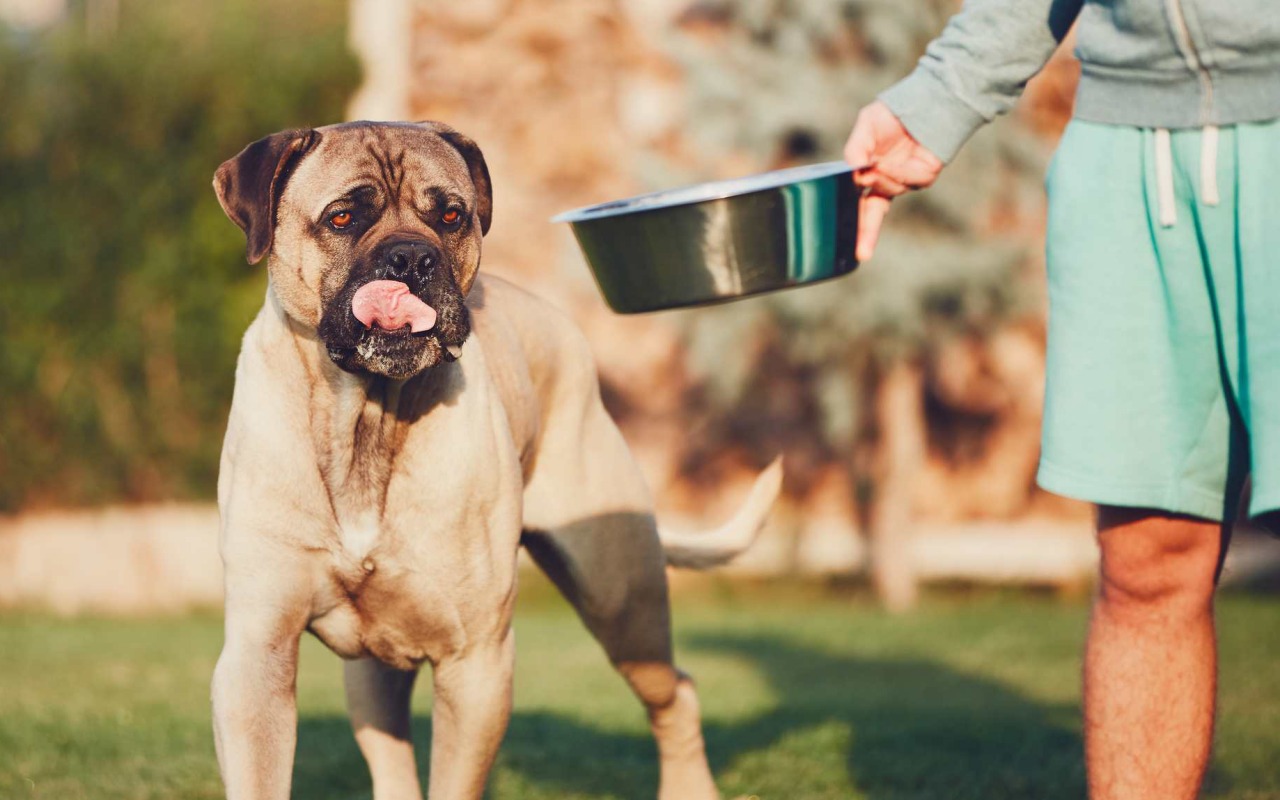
(390, 305)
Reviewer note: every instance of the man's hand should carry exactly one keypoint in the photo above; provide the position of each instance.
(892, 163)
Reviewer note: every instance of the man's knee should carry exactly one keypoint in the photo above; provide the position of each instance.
(1156, 561)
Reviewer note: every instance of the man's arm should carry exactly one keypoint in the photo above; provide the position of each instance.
(973, 72)
(978, 68)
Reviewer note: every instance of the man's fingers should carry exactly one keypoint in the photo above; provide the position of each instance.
(871, 211)
(909, 165)
(881, 179)
(918, 170)
(878, 183)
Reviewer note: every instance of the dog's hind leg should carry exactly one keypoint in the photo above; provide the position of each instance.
(611, 570)
(611, 567)
(590, 527)
(378, 698)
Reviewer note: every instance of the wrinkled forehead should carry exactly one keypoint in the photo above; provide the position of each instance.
(404, 163)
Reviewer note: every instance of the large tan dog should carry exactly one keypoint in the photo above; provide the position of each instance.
(399, 428)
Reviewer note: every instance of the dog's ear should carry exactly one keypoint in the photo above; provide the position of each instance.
(250, 184)
(475, 162)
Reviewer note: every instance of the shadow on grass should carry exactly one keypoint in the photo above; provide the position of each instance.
(893, 728)
(918, 729)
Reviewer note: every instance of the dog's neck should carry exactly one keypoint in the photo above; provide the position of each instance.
(358, 423)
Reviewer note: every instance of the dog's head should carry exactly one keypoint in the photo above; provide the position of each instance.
(374, 232)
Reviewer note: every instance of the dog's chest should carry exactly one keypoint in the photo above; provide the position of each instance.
(421, 554)
(414, 587)
(378, 606)
(357, 462)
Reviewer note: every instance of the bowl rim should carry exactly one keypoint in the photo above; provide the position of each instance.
(702, 192)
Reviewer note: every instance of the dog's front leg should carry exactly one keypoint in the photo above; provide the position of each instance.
(255, 714)
(469, 717)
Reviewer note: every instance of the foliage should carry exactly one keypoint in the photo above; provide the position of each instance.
(803, 698)
(124, 288)
(780, 81)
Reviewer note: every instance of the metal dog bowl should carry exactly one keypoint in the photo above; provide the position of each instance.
(719, 241)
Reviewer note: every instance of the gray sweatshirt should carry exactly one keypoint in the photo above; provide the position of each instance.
(1146, 63)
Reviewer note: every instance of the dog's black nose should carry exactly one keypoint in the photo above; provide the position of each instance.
(403, 257)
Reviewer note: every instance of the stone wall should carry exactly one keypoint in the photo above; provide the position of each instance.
(581, 101)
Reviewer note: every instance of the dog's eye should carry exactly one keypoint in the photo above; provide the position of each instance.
(341, 219)
(451, 217)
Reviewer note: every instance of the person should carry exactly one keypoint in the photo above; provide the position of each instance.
(1163, 363)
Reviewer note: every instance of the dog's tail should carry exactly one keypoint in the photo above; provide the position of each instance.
(722, 545)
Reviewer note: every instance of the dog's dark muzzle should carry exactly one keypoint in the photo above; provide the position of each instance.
(425, 270)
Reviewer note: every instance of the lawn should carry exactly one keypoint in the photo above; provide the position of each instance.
(807, 695)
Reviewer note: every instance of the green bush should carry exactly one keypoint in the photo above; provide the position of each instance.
(123, 289)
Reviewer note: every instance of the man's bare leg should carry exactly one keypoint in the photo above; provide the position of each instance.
(1150, 670)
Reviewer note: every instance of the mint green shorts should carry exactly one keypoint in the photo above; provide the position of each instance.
(1163, 374)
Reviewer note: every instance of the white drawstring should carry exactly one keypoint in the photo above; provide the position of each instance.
(1209, 165)
(1166, 198)
(1164, 179)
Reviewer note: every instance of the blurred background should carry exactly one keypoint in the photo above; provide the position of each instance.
(906, 398)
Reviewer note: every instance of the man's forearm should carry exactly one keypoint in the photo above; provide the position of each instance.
(978, 68)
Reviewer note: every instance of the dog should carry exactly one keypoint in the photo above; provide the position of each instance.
(400, 427)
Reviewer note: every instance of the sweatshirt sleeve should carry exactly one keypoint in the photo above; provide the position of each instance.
(977, 68)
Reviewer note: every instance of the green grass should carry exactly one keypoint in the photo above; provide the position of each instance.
(806, 696)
